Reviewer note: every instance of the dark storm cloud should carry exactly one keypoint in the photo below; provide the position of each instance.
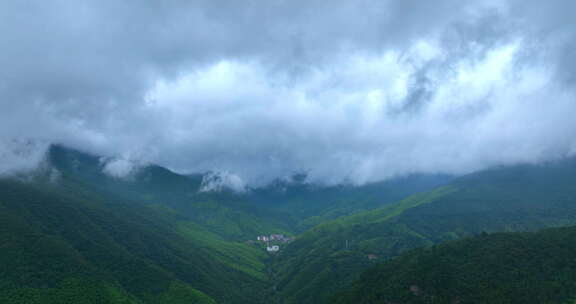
(345, 90)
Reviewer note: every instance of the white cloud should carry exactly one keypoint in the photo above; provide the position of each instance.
(261, 91)
(219, 181)
(120, 168)
(21, 156)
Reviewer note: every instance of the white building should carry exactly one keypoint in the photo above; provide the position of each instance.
(273, 248)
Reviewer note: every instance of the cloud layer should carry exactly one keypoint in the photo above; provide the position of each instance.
(347, 91)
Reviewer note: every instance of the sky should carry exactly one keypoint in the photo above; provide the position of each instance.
(344, 91)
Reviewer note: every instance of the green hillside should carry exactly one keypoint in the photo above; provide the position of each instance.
(331, 255)
(489, 268)
(309, 204)
(66, 244)
(77, 234)
(229, 215)
(71, 234)
(278, 208)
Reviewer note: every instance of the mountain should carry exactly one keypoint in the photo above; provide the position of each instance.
(66, 243)
(310, 204)
(225, 213)
(536, 267)
(73, 233)
(330, 256)
(282, 207)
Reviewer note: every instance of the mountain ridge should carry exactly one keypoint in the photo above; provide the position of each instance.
(520, 198)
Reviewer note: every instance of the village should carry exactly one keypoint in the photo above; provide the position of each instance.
(273, 240)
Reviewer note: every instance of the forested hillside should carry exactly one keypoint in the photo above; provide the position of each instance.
(227, 214)
(310, 204)
(251, 152)
(522, 198)
(282, 207)
(83, 235)
(488, 268)
(71, 233)
(66, 244)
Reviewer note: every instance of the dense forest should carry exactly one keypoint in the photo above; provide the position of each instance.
(287, 152)
(59, 247)
(72, 234)
(331, 255)
(520, 267)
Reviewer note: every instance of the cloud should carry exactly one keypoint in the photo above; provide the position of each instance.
(19, 156)
(120, 168)
(353, 91)
(218, 181)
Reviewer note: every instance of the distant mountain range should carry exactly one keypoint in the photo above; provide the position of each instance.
(70, 232)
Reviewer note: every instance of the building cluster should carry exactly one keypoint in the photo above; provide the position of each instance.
(274, 237)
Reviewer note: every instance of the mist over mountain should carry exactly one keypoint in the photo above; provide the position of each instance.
(345, 91)
(346, 151)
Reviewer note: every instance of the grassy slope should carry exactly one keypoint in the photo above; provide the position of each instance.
(520, 198)
(496, 268)
(65, 244)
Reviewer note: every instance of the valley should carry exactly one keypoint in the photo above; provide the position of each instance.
(287, 152)
(86, 237)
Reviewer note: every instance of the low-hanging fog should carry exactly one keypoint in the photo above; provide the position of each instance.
(354, 91)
